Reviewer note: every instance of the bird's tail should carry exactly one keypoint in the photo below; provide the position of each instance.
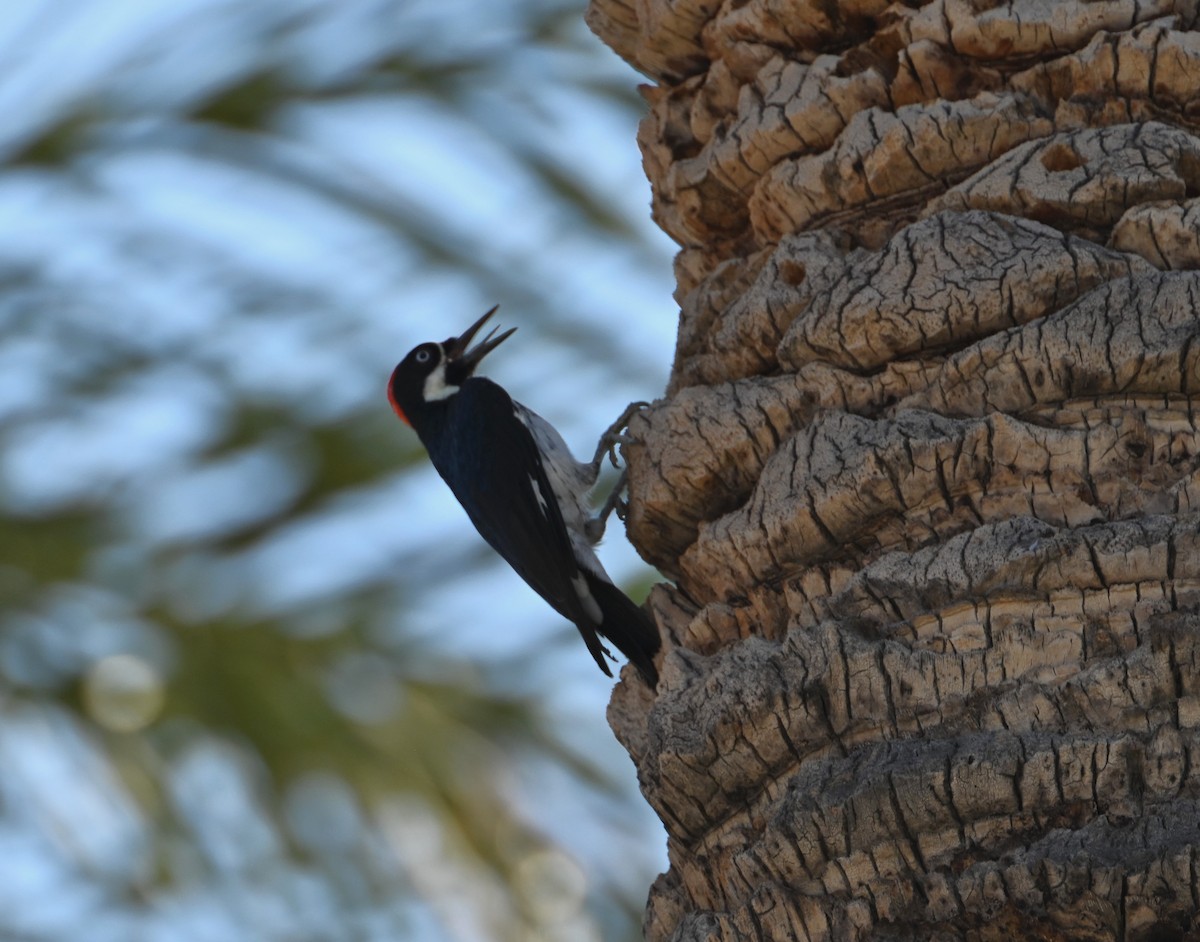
(627, 626)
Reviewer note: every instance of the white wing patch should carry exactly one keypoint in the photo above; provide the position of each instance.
(541, 498)
(569, 483)
(436, 386)
(585, 596)
(569, 480)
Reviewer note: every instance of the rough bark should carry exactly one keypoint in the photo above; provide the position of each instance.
(927, 475)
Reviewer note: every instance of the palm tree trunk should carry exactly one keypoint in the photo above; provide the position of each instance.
(926, 477)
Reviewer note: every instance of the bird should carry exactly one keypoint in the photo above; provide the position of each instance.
(522, 488)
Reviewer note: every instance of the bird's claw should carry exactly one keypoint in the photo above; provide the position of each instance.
(594, 528)
(613, 442)
(614, 436)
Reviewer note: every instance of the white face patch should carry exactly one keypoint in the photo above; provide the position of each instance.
(436, 386)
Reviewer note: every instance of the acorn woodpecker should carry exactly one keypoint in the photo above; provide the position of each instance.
(522, 488)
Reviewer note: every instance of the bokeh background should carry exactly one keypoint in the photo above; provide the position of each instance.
(259, 679)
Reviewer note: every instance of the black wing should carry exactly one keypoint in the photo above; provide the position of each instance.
(490, 461)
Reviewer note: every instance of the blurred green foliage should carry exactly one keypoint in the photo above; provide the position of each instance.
(226, 704)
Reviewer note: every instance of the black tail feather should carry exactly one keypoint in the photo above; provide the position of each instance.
(628, 627)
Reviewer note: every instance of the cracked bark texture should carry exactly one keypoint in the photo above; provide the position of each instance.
(927, 475)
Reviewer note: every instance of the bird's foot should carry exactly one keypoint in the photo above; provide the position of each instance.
(594, 528)
(614, 436)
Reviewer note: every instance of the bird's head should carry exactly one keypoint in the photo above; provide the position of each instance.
(434, 371)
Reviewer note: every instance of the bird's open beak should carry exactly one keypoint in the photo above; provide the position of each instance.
(456, 347)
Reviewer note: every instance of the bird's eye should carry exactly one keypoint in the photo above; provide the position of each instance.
(422, 356)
